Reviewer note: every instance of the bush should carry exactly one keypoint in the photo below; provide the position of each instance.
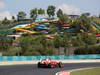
(88, 50)
(36, 46)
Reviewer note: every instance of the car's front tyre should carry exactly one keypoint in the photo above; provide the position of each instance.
(60, 65)
(50, 66)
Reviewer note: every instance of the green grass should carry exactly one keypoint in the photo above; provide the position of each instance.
(92, 71)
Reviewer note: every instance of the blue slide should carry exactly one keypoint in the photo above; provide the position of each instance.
(67, 30)
(98, 27)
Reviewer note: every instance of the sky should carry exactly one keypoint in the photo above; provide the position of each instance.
(10, 8)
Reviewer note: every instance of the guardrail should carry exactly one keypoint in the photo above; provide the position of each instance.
(62, 57)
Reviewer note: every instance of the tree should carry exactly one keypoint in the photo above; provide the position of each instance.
(89, 38)
(64, 18)
(13, 19)
(57, 43)
(34, 13)
(21, 15)
(36, 46)
(89, 50)
(53, 29)
(59, 13)
(51, 11)
(78, 42)
(5, 21)
(99, 15)
(41, 11)
(5, 43)
(86, 14)
(66, 42)
(13, 51)
(83, 23)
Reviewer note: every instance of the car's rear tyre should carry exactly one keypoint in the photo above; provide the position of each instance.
(39, 65)
(60, 65)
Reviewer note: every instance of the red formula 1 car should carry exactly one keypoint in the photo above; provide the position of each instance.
(48, 63)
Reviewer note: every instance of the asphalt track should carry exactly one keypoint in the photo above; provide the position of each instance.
(33, 70)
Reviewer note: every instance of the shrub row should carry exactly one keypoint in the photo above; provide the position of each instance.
(88, 50)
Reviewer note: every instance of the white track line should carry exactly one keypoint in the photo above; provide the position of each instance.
(69, 71)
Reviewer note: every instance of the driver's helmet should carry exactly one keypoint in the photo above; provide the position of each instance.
(42, 60)
(49, 59)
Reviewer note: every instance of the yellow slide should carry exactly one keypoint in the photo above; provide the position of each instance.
(31, 25)
(23, 29)
(27, 31)
(94, 28)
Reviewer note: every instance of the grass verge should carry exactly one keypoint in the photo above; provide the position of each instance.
(91, 71)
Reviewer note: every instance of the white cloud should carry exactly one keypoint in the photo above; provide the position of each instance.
(4, 14)
(69, 9)
(2, 4)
